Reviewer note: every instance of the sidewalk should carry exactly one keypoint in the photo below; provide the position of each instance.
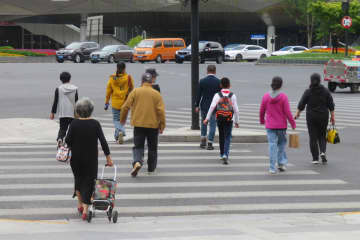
(289, 226)
(36, 131)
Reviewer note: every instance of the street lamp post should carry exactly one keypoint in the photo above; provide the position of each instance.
(194, 61)
(345, 8)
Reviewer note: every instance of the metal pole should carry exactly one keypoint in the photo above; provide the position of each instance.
(347, 31)
(194, 62)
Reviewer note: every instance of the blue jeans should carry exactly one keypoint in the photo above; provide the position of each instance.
(277, 143)
(116, 119)
(225, 129)
(212, 123)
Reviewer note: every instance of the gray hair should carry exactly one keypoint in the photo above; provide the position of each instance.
(146, 77)
(84, 107)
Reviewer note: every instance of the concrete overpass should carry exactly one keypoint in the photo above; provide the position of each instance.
(222, 20)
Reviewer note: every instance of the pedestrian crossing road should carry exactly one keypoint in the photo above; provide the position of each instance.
(188, 181)
(347, 115)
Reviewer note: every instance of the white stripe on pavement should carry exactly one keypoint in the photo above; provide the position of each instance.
(167, 158)
(192, 208)
(121, 151)
(128, 166)
(164, 174)
(244, 183)
(194, 195)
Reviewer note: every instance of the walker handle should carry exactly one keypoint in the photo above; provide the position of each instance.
(115, 171)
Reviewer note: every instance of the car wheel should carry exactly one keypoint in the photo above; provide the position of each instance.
(354, 88)
(132, 60)
(142, 61)
(111, 59)
(263, 56)
(92, 61)
(332, 86)
(77, 58)
(179, 61)
(60, 60)
(158, 59)
(239, 58)
(219, 59)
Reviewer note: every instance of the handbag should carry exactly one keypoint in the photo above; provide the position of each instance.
(294, 140)
(332, 135)
(63, 153)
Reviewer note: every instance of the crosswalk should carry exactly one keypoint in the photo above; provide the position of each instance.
(347, 115)
(188, 181)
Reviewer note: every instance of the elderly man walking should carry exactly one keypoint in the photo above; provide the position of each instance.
(209, 86)
(148, 118)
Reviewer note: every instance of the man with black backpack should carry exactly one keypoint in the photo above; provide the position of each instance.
(225, 105)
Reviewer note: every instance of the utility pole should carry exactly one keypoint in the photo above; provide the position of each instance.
(194, 62)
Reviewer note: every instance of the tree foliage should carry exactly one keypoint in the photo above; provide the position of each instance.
(329, 15)
(134, 41)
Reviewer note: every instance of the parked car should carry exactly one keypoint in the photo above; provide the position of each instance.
(208, 51)
(245, 52)
(112, 53)
(289, 50)
(158, 49)
(77, 52)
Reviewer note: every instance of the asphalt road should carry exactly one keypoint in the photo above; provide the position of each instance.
(27, 89)
(34, 186)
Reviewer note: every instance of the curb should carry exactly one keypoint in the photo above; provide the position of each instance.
(292, 61)
(46, 59)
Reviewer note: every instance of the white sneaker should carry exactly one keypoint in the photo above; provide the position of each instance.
(151, 173)
(315, 162)
(272, 172)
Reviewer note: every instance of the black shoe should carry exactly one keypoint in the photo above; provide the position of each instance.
(323, 158)
(203, 143)
(210, 146)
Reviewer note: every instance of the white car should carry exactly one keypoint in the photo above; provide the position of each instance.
(289, 50)
(239, 52)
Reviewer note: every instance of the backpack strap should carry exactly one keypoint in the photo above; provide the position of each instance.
(230, 95)
(220, 94)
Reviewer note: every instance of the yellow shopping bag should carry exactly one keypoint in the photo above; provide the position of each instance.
(333, 135)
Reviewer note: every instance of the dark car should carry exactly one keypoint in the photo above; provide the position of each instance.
(112, 53)
(77, 52)
(208, 51)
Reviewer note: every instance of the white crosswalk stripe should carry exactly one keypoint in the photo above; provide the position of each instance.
(188, 181)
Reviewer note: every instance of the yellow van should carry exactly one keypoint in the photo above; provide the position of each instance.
(158, 49)
(356, 56)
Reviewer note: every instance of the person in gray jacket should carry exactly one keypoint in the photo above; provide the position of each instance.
(66, 95)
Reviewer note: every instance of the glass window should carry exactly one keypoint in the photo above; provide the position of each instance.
(298, 49)
(146, 44)
(158, 44)
(178, 43)
(74, 45)
(168, 43)
(285, 49)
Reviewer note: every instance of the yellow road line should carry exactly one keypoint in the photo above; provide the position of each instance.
(32, 221)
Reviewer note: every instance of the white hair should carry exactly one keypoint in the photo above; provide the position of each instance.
(84, 107)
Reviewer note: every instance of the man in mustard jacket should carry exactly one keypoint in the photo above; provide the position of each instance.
(148, 118)
(118, 88)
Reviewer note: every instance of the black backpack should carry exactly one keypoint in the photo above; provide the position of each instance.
(224, 108)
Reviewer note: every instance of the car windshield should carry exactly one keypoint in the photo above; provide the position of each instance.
(110, 48)
(234, 47)
(73, 45)
(285, 49)
(146, 44)
(201, 46)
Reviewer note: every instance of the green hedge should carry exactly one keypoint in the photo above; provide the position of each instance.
(6, 47)
(25, 53)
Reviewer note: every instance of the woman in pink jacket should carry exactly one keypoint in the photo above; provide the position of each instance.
(275, 113)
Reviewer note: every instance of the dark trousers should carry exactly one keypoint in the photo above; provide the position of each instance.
(225, 129)
(317, 127)
(64, 125)
(335, 49)
(151, 135)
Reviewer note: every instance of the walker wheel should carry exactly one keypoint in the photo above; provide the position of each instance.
(115, 216)
(109, 214)
(89, 217)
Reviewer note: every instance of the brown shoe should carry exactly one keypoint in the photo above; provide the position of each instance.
(135, 170)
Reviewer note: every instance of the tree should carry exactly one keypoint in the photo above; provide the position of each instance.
(329, 15)
(300, 10)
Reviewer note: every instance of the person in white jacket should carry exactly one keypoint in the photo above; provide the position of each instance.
(227, 112)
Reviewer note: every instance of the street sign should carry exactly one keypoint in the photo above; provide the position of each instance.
(346, 22)
(258, 37)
